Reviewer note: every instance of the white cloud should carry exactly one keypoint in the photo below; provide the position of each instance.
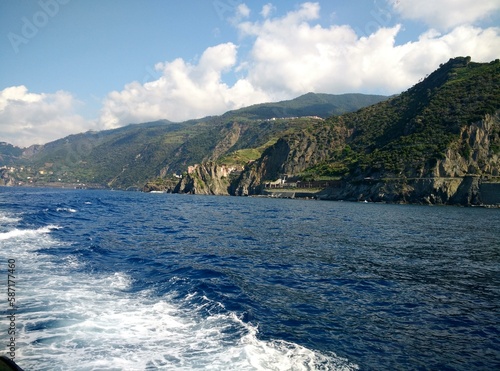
(267, 10)
(29, 118)
(292, 55)
(242, 10)
(184, 91)
(289, 55)
(445, 14)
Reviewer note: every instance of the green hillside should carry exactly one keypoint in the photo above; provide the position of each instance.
(410, 132)
(310, 104)
(425, 144)
(131, 155)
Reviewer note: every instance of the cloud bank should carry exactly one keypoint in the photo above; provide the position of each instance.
(184, 91)
(292, 55)
(289, 55)
(445, 14)
(28, 118)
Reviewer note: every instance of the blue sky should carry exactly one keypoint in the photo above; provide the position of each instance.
(68, 66)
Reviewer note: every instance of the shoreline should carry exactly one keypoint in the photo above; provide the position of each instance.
(291, 193)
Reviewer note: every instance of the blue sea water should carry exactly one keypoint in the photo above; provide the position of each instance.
(132, 281)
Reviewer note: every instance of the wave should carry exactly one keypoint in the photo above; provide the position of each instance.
(8, 219)
(66, 209)
(74, 316)
(23, 233)
(283, 355)
(82, 321)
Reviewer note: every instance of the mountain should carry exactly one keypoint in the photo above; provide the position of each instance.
(9, 154)
(310, 104)
(130, 156)
(438, 142)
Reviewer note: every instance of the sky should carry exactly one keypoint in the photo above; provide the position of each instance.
(69, 66)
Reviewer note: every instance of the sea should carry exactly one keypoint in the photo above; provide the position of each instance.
(114, 280)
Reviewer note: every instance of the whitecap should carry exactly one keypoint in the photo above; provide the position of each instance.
(8, 219)
(66, 209)
(22, 233)
(119, 281)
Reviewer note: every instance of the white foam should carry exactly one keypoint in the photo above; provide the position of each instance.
(6, 218)
(74, 319)
(119, 281)
(66, 209)
(26, 233)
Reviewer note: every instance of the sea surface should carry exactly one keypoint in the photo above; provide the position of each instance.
(132, 281)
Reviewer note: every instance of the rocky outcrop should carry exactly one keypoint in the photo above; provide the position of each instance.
(469, 169)
(6, 179)
(229, 139)
(160, 185)
(268, 167)
(436, 191)
(208, 178)
(475, 152)
(291, 154)
(32, 150)
(470, 163)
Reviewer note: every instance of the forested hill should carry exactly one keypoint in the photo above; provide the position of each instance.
(420, 145)
(130, 156)
(310, 104)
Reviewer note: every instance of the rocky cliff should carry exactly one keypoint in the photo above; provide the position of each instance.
(208, 178)
(476, 152)
(437, 143)
(470, 162)
(292, 154)
(161, 185)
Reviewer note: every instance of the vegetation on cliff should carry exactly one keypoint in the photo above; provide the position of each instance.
(410, 132)
(445, 126)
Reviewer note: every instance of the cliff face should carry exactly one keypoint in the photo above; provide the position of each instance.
(469, 162)
(208, 178)
(469, 169)
(269, 166)
(160, 185)
(476, 152)
(230, 137)
(439, 191)
(291, 155)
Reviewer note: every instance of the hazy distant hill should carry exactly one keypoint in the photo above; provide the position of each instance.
(131, 155)
(9, 154)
